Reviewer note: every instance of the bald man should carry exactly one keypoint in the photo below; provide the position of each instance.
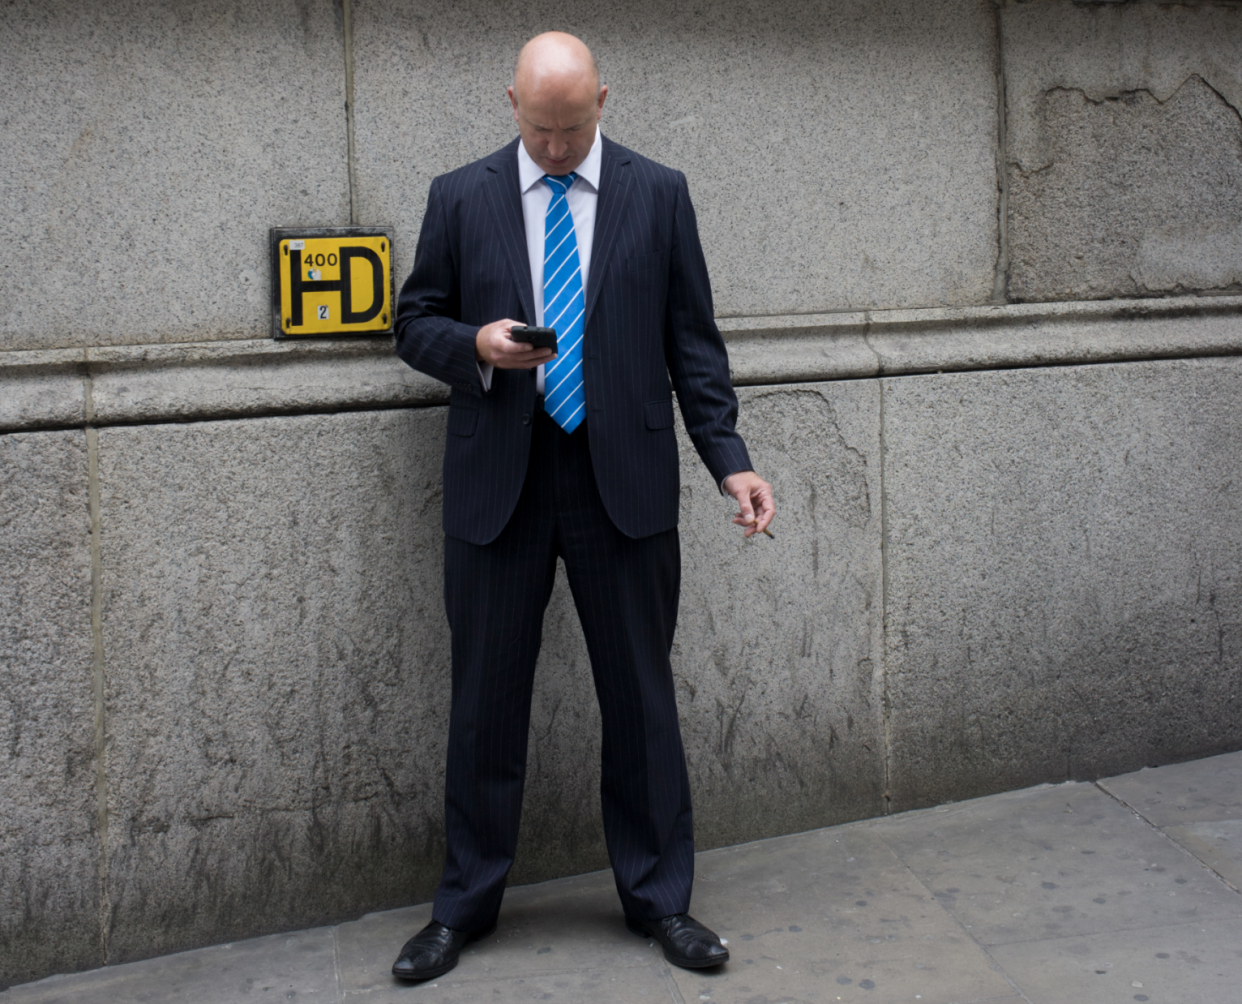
(568, 454)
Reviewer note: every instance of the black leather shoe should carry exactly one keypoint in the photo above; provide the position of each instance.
(433, 951)
(685, 941)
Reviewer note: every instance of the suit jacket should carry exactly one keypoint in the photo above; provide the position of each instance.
(648, 319)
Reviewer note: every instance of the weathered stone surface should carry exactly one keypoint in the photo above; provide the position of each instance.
(159, 383)
(1064, 573)
(34, 396)
(277, 672)
(49, 844)
(778, 645)
(839, 155)
(147, 149)
(1124, 147)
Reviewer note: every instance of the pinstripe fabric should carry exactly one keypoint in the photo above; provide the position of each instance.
(626, 593)
(649, 323)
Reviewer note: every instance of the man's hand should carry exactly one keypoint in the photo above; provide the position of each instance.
(754, 501)
(492, 345)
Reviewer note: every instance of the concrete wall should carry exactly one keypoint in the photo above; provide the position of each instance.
(1007, 549)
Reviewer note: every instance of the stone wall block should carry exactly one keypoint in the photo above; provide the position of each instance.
(277, 673)
(1124, 148)
(1064, 573)
(49, 841)
(147, 149)
(778, 640)
(839, 155)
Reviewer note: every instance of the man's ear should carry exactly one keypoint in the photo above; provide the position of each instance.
(599, 108)
(512, 101)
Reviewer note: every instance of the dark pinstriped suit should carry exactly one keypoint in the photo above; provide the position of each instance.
(519, 492)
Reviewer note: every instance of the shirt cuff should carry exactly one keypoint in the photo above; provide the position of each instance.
(485, 375)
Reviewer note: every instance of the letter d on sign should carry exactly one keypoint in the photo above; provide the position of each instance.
(348, 315)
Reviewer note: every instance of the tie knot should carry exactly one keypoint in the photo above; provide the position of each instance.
(559, 183)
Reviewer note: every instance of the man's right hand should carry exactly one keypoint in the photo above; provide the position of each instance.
(492, 345)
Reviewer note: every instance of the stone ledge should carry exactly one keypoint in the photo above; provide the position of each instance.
(127, 384)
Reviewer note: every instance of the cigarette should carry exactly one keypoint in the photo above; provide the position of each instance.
(768, 532)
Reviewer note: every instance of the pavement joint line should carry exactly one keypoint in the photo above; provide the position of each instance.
(1214, 860)
(336, 963)
(674, 991)
(966, 932)
(1119, 930)
(1176, 843)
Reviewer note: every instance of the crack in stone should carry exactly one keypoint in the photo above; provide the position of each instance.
(1124, 96)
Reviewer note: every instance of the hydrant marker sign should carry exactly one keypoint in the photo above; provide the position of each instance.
(331, 281)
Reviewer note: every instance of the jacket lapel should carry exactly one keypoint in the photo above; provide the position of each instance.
(614, 191)
(504, 195)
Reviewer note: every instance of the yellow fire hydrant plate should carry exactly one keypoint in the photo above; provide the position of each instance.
(331, 281)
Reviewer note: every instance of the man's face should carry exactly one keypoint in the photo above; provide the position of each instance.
(556, 117)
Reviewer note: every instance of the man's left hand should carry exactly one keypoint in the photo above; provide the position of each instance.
(754, 500)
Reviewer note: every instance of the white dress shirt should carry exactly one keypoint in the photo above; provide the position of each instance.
(583, 196)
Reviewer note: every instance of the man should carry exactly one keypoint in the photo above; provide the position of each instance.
(571, 456)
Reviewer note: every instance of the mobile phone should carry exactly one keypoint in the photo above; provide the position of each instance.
(540, 338)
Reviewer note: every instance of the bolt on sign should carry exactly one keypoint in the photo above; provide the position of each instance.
(331, 281)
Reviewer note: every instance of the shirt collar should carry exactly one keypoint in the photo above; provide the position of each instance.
(530, 173)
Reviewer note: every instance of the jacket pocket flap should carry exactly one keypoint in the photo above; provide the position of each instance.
(461, 421)
(659, 414)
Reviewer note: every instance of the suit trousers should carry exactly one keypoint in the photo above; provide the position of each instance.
(626, 593)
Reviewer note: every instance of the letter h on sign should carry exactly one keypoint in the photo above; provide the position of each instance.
(298, 286)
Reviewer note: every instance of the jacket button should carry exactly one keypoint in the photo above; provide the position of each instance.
(526, 420)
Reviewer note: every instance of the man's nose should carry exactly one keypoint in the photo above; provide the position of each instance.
(557, 147)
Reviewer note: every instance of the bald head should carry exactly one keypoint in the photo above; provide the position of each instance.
(555, 59)
(557, 100)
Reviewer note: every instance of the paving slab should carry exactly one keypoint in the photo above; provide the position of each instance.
(1198, 804)
(1217, 844)
(296, 966)
(1182, 793)
(599, 986)
(1181, 964)
(834, 910)
(1053, 862)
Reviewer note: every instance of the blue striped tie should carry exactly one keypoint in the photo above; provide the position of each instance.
(564, 305)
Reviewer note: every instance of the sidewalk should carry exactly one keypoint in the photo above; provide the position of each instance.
(1125, 890)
